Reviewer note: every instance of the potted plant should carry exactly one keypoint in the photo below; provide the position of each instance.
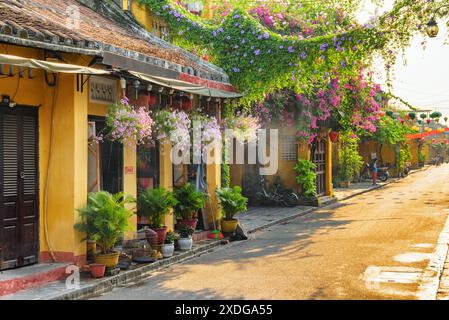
(185, 241)
(231, 202)
(105, 219)
(155, 204)
(97, 270)
(169, 246)
(189, 201)
(306, 179)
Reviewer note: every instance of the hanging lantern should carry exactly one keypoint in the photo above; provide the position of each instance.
(333, 135)
(419, 121)
(412, 115)
(382, 113)
(445, 119)
(152, 100)
(428, 121)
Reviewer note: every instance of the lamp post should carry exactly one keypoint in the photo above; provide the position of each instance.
(432, 28)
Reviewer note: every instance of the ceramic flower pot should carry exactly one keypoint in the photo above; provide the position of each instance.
(97, 270)
(161, 235)
(185, 244)
(229, 226)
(168, 250)
(110, 260)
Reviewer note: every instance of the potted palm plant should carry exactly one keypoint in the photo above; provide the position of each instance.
(185, 241)
(155, 204)
(169, 246)
(105, 220)
(231, 202)
(189, 201)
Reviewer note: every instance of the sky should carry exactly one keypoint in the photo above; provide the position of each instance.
(424, 80)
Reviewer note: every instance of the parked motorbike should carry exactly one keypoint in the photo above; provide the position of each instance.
(382, 173)
(278, 196)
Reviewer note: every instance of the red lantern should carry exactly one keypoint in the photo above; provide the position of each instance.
(333, 135)
(407, 117)
(428, 121)
(152, 100)
(381, 113)
(186, 104)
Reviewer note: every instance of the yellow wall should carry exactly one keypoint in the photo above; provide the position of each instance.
(388, 155)
(67, 185)
(146, 18)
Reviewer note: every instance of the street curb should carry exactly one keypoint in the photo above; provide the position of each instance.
(135, 275)
(129, 277)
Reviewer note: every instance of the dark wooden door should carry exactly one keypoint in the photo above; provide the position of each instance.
(19, 191)
(319, 159)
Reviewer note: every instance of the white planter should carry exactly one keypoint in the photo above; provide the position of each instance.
(168, 250)
(185, 244)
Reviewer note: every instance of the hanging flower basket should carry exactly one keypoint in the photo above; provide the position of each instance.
(245, 128)
(129, 125)
(174, 125)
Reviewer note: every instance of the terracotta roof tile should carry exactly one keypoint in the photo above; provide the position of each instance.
(48, 21)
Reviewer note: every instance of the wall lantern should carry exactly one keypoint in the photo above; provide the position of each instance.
(432, 28)
(5, 100)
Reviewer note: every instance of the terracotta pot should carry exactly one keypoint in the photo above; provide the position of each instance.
(192, 223)
(97, 270)
(229, 226)
(110, 260)
(161, 235)
(168, 250)
(185, 244)
(152, 238)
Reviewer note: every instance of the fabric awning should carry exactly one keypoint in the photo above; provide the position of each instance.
(49, 66)
(186, 86)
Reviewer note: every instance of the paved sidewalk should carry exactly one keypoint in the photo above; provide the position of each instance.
(357, 188)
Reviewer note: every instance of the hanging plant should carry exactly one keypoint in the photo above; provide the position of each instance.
(208, 129)
(245, 128)
(174, 125)
(127, 125)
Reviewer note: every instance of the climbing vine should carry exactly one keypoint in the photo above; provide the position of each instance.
(260, 60)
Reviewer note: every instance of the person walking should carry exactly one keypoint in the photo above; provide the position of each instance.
(374, 170)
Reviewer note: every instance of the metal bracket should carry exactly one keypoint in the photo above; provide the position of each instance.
(80, 82)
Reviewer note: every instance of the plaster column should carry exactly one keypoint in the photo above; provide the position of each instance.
(166, 175)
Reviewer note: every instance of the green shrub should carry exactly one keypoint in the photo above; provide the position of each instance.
(189, 201)
(105, 219)
(231, 201)
(350, 162)
(155, 204)
(306, 177)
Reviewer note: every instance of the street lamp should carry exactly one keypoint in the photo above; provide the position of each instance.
(432, 26)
